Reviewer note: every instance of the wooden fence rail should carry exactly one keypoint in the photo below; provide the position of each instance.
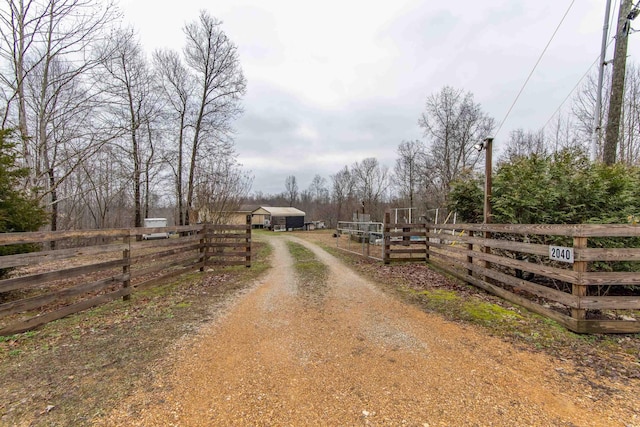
(587, 292)
(87, 268)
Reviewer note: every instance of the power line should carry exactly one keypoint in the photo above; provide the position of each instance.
(574, 88)
(534, 68)
(584, 75)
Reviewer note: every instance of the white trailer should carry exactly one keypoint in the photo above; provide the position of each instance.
(154, 223)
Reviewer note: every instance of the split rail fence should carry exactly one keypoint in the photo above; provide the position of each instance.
(569, 273)
(88, 268)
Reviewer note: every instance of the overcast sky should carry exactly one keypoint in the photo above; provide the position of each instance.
(334, 82)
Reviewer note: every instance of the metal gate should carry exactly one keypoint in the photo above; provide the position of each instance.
(362, 238)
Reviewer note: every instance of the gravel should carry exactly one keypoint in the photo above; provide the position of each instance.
(359, 358)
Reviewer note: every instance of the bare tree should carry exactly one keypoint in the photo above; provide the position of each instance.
(127, 83)
(629, 138)
(342, 190)
(523, 144)
(44, 45)
(178, 89)
(318, 189)
(578, 129)
(371, 180)
(220, 84)
(407, 169)
(291, 189)
(453, 123)
(220, 188)
(35, 37)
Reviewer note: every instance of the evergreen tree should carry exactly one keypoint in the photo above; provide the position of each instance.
(18, 212)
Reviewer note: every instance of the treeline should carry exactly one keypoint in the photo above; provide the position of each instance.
(444, 170)
(109, 133)
(106, 133)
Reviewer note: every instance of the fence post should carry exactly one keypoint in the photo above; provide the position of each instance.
(247, 258)
(385, 237)
(427, 247)
(126, 268)
(469, 256)
(579, 289)
(487, 250)
(204, 245)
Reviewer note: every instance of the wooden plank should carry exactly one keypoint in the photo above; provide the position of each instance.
(589, 278)
(550, 229)
(529, 248)
(610, 302)
(31, 303)
(608, 327)
(159, 267)
(47, 236)
(163, 254)
(226, 254)
(412, 225)
(34, 322)
(405, 234)
(612, 278)
(239, 244)
(33, 258)
(564, 320)
(161, 243)
(212, 262)
(533, 288)
(138, 231)
(568, 230)
(215, 237)
(610, 254)
(225, 227)
(33, 280)
(407, 251)
(551, 272)
(609, 230)
(417, 259)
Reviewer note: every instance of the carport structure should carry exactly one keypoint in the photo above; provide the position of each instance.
(280, 218)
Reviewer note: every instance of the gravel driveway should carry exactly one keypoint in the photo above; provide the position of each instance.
(357, 357)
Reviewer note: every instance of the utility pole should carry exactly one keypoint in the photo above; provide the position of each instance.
(488, 147)
(597, 130)
(617, 83)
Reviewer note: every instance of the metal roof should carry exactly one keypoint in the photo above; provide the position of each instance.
(278, 211)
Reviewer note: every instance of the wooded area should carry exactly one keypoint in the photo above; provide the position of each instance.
(590, 295)
(92, 267)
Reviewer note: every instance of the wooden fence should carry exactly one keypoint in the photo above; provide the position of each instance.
(92, 267)
(564, 272)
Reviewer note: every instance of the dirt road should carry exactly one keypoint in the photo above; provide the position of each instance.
(353, 355)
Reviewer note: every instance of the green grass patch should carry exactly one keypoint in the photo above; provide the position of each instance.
(487, 313)
(311, 273)
(307, 266)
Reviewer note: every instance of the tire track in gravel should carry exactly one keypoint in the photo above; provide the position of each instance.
(360, 358)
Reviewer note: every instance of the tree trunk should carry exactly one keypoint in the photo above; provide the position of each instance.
(181, 213)
(54, 206)
(617, 84)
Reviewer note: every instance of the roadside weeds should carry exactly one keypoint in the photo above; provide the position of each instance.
(73, 371)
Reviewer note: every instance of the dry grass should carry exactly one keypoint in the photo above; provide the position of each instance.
(613, 357)
(73, 370)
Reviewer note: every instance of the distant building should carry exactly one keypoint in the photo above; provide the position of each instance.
(238, 217)
(278, 218)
